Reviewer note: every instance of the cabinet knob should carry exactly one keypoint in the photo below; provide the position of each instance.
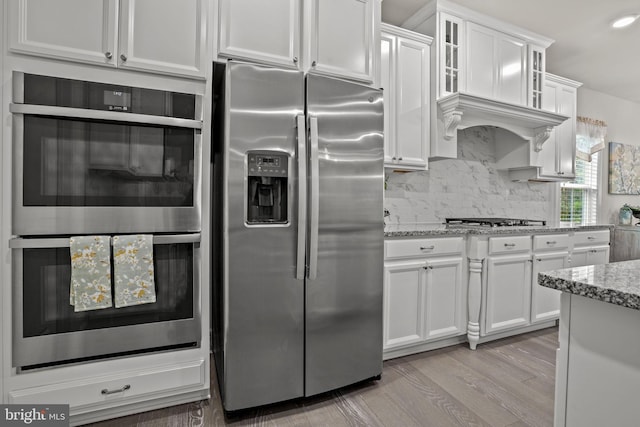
(553, 242)
(314, 63)
(399, 158)
(295, 59)
(427, 248)
(123, 57)
(509, 245)
(108, 55)
(394, 158)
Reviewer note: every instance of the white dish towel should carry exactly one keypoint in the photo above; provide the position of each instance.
(133, 270)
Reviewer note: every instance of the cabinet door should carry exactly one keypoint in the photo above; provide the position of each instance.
(508, 300)
(412, 103)
(388, 84)
(77, 30)
(163, 36)
(545, 302)
(451, 68)
(481, 56)
(579, 257)
(590, 256)
(566, 131)
(444, 304)
(341, 38)
(548, 155)
(512, 76)
(495, 65)
(265, 31)
(404, 295)
(598, 255)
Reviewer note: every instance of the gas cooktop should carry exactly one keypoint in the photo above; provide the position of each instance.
(497, 222)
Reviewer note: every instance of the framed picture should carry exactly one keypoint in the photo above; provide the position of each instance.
(624, 168)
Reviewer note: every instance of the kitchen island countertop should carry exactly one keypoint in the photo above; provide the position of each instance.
(426, 230)
(616, 283)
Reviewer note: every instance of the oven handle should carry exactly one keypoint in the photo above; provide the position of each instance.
(63, 242)
(81, 113)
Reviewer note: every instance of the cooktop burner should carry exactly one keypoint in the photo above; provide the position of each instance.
(496, 222)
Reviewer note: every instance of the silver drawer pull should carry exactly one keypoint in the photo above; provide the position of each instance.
(591, 238)
(120, 390)
(509, 245)
(553, 242)
(427, 248)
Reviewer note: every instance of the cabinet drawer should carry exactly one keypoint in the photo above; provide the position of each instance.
(420, 247)
(581, 238)
(108, 391)
(504, 245)
(549, 242)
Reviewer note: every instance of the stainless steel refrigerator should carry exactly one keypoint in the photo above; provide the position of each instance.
(297, 233)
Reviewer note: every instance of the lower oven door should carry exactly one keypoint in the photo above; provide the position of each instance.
(47, 330)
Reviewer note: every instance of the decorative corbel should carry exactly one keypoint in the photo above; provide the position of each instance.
(542, 134)
(451, 122)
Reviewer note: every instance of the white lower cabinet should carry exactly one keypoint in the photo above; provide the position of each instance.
(123, 389)
(114, 388)
(551, 252)
(513, 297)
(424, 297)
(590, 248)
(508, 295)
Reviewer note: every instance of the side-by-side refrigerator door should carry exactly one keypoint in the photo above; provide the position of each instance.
(345, 253)
(263, 295)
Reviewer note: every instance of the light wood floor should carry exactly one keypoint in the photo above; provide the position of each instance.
(509, 382)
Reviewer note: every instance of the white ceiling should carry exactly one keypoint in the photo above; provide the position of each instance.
(586, 48)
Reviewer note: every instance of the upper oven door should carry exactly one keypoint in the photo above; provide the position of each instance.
(92, 158)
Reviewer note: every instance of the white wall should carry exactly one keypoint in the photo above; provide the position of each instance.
(623, 126)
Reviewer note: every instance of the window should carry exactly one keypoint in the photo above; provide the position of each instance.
(579, 198)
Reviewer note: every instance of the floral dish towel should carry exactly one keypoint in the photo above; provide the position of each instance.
(133, 270)
(90, 272)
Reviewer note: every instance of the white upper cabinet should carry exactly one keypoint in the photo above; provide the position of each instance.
(557, 157)
(496, 64)
(341, 38)
(167, 36)
(265, 31)
(331, 37)
(160, 36)
(405, 81)
(479, 55)
(80, 30)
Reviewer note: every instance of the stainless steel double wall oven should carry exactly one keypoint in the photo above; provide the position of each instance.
(97, 158)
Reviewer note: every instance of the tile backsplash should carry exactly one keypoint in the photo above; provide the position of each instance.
(469, 186)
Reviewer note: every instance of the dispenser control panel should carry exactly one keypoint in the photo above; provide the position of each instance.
(271, 164)
(267, 188)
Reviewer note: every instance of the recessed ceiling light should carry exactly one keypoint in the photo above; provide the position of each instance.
(624, 21)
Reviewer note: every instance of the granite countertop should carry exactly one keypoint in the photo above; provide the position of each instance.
(615, 283)
(425, 230)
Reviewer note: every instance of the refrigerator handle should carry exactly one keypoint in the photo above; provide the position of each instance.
(302, 195)
(315, 199)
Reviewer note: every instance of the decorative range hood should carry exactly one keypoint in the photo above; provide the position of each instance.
(462, 110)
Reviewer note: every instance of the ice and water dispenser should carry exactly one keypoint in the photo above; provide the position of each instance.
(267, 178)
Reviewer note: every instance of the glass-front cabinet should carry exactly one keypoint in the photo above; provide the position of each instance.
(451, 35)
(536, 76)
